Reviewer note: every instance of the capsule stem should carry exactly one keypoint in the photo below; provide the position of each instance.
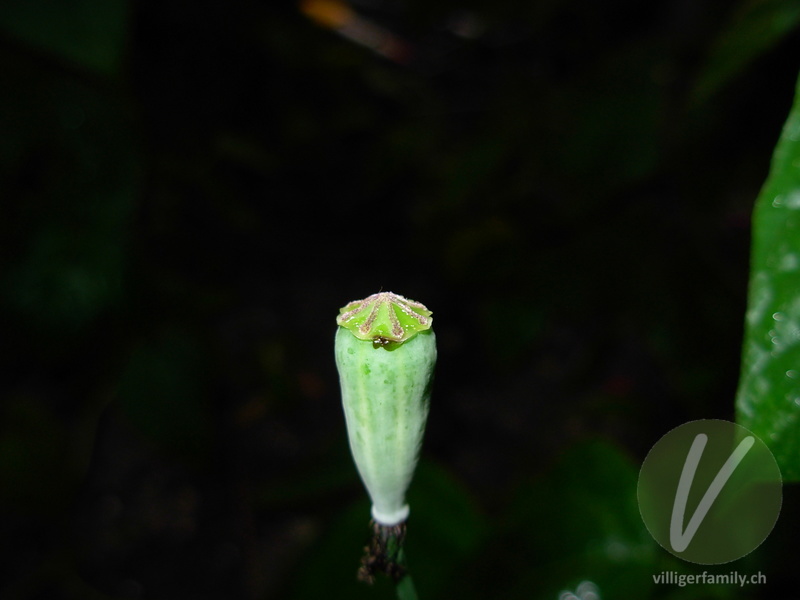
(384, 553)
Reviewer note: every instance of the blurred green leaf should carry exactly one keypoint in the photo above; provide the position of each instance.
(444, 531)
(755, 27)
(330, 570)
(90, 33)
(768, 401)
(581, 522)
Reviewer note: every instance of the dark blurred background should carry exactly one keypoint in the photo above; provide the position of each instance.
(189, 191)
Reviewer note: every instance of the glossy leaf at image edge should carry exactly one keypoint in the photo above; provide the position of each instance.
(768, 399)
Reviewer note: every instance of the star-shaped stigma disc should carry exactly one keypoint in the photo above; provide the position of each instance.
(385, 317)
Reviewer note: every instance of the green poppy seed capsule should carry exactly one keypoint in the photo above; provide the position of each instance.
(385, 353)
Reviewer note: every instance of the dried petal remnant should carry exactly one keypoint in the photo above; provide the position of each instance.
(385, 316)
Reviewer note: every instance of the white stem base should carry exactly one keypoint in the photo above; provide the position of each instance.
(390, 518)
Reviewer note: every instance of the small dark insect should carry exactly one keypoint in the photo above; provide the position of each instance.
(381, 341)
